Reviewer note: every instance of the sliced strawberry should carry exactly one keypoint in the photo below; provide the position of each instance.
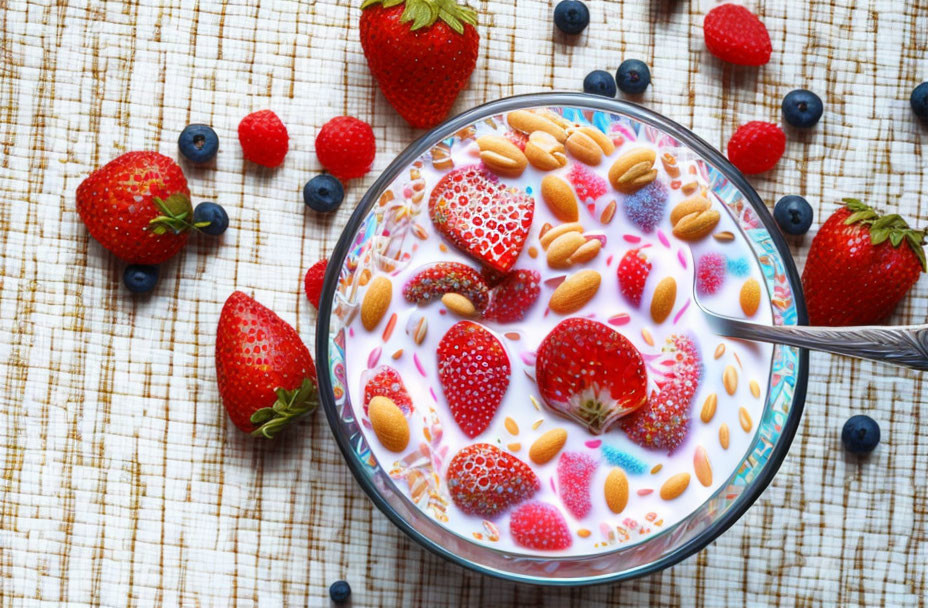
(633, 271)
(514, 296)
(447, 277)
(481, 216)
(474, 372)
(574, 477)
(483, 480)
(384, 381)
(664, 422)
(590, 373)
(539, 525)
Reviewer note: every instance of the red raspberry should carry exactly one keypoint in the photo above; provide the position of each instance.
(313, 281)
(632, 272)
(539, 525)
(574, 476)
(734, 34)
(264, 138)
(756, 147)
(345, 146)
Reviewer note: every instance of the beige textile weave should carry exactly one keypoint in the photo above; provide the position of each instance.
(121, 480)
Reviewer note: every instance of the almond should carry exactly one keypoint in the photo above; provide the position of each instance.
(560, 198)
(697, 225)
(675, 486)
(670, 165)
(755, 388)
(633, 170)
(702, 467)
(724, 237)
(586, 252)
(602, 140)
(608, 213)
(745, 419)
(730, 379)
(574, 293)
(708, 408)
(544, 152)
(694, 204)
(563, 247)
(459, 304)
(723, 436)
(529, 122)
(547, 446)
(388, 423)
(548, 236)
(584, 148)
(616, 490)
(750, 297)
(689, 188)
(501, 156)
(511, 426)
(665, 295)
(376, 302)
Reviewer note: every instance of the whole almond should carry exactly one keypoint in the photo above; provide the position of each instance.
(560, 198)
(389, 423)
(544, 152)
(602, 140)
(708, 408)
(633, 170)
(724, 237)
(573, 294)
(562, 248)
(584, 148)
(665, 295)
(694, 204)
(549, 235)
(750, 297)
(547, 446)
(586, 252)
(675, 486)
(459, 305)
(501, 156)
(616, 490)
(745, 419)
(697, 225)
(689, 188)
(376, 302)
(723, 436)
(702, 467)
(730, 379)
(554, 117)
(529, 122)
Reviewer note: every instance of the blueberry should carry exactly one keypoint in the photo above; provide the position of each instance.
(633, 76)
(140, 278)
(802, 108)
(339, 591)
(599, 82)
(919, 100)
(323, 193)
(793, 214)
(571, 16)
(198, 143)
(860, 434)
(214, 217)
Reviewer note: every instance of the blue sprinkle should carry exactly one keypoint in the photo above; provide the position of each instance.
(528, 189)
(618, 458)
(739, 267)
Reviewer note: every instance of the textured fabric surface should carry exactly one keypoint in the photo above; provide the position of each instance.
(122, 481)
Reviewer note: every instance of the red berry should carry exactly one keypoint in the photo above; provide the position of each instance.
(264, 138)
(384, 381)
(484, 481)
(756, 147)
(587, 184)
(345, 146)
(540, 526)
(574, 476)
(312, 283)
(514, 296)
(474, 373)
(590, 373)
(710, 273)
(632, 272)
(734, 34)
(447, 277)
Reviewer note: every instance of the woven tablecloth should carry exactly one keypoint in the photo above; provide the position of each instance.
(123, 482)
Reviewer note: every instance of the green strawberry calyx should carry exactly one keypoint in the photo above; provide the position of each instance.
(175, 210)
(884, 228)
(289, 406)
(424, 13)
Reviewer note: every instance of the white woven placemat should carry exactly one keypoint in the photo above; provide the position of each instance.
(122, 481)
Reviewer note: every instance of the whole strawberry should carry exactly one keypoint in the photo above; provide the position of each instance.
(264, 138)
(266, 376)
(421, 53)
(734, 34)
(860, 266)
(483, 480)
(137, 206)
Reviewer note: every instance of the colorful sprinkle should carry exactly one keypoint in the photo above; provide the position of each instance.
(645, 208)
(588, 185)
(710, 273)
(619, 319)
(739, 267)
(663, 239)
(593, 443)
(418, 363)
(618, 458)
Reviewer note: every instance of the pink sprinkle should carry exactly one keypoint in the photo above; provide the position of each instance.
(553, 489)
(415, 358)
(682, 310)
(351, 331)
(599, 237)
(553, 282)
(407, 192)
(645, 492)
(386, 232)
(619, 319)
(373, 358)
(432, 393)
(528, 358)
(631, 238)
(442, 311)
(609, 260)
(682, 258)
(663, 238)
(547, 310)
(593, 443)
(591, 207)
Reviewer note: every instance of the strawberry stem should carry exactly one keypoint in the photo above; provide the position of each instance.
(175, 210)
(289, 406)
(424, 13)
(892, 228)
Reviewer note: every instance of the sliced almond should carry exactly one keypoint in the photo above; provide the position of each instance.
(389, 423)
(547, 446)
(670, 165)
(695, 226)
(689, 188)
(633, 170)
(563, 247)
(708, 408)
(694, 204)
(723, 436)
(459, 305)
(702, 467)
(529, 122)
(665, 295)
(511, 425)
(548, 236)
(574, 293)
(750, 297)
(586, 252)
(730, 379)
(560, 198)
(544, 152)
(755, 388)
(616, 490)
(584, 148)
(719, 351)
(675, 486)
(501, 156)
(724, 237)
(608, 213)
(376, 302)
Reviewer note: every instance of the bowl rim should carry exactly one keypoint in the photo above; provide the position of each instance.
(644, 115)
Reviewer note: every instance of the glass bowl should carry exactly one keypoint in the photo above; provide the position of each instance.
(364, 237)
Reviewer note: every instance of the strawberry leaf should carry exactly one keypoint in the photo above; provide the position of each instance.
(289, 406)
(896, 237)
(424, 13)
(878, 235)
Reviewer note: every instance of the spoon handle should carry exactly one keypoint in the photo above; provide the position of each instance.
(903, 345)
